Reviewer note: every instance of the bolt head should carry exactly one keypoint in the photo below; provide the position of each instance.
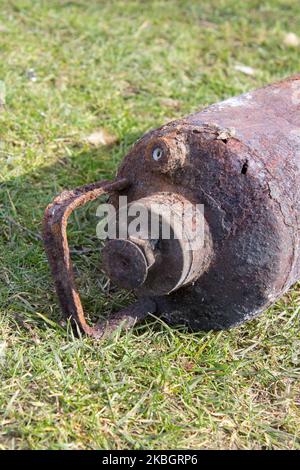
(157, 153)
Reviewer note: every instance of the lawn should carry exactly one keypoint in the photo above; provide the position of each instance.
(67, 70)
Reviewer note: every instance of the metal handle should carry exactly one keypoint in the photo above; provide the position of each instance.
(58, 253)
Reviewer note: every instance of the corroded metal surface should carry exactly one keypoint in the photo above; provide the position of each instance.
(241, 159)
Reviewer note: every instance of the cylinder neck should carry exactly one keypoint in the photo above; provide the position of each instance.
(172, 248)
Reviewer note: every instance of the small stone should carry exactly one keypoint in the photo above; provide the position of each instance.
(3, 28)
(170, 103)
(291, 40)
(100, 138)
(245, 69)
(31, 75)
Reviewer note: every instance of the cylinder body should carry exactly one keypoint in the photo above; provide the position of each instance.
(241, 159)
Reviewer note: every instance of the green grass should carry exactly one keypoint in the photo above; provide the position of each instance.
(127, 66)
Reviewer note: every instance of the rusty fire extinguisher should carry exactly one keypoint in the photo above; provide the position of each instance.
(239, 158)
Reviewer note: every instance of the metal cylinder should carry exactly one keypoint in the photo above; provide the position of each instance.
(241, 159)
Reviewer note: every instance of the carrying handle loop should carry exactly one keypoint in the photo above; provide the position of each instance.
(58, 253)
